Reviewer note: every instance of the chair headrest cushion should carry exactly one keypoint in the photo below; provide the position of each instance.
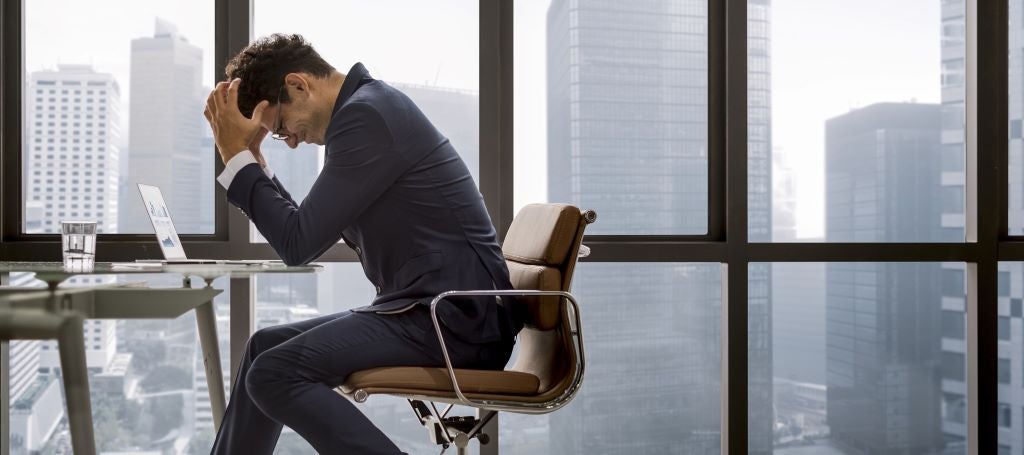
(542, 234)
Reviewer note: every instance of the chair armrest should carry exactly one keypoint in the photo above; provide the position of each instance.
(577, 333)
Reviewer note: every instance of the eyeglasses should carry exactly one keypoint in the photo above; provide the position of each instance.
(277, 122)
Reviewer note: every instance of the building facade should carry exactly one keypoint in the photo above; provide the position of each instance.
(628, 137)
(883, 321)
(70, 153)
(166, 132)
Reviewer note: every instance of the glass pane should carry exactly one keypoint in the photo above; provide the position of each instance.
(1010, 374)
(653, 375)
(111, 103)
(146, 378)
(867, 358)
(1015, 198)
(611, 111)
(866, 129)
(430, 52)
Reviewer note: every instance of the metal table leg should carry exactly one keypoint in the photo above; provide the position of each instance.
(206, 319)
(242, 319)
(71, 343)
(67, 329)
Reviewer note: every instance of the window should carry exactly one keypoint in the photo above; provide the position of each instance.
(794, 53)
(954, 407)
(610, 112)
(953, 366)
(134, 64)
(439, 70)
(838, 136)
(844, 340)
(665, 350)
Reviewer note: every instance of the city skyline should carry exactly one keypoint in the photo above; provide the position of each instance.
(603, 275)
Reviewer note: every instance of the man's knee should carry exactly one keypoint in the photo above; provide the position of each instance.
(265, 339)
(269, 377)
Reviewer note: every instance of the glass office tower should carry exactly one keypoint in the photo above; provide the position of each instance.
(167, 130)
(71, 154)
(627, 136)
(883, 320)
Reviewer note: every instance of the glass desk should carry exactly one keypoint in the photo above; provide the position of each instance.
(58, 313)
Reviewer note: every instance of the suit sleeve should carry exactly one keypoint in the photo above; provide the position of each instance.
(361, 163)
(284, 192)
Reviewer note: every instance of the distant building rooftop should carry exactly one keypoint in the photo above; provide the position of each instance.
(32, 393)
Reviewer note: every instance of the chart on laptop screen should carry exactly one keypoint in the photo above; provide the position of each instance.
(162, 224)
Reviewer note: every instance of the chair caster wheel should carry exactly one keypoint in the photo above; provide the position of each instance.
(483, 438)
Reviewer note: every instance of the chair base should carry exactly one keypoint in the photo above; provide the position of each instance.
(455, 430)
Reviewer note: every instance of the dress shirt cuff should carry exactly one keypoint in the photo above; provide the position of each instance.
(235, 164)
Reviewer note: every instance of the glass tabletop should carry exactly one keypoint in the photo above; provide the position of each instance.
(55, 272)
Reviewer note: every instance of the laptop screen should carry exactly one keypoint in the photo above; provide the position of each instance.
(166, 236)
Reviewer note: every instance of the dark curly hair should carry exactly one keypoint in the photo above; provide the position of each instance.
(264, 63)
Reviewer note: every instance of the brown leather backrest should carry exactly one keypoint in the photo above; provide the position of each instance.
(541, 249)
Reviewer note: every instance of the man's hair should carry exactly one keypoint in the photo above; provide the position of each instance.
(264, 63)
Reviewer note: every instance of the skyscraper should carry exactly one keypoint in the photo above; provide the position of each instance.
(71, 171)
(883, 320)
(627, 136)
(24, 362)
(167, 130)
(71, 156)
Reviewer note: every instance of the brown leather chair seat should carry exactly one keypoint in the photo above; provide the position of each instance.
(434, 380)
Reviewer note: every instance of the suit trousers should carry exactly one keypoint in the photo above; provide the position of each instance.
(288, 373)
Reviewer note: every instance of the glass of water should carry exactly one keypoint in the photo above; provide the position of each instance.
(79, 242)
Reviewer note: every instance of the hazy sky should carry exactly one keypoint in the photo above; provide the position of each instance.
(831, 56)
(828, 56)
(431, 43)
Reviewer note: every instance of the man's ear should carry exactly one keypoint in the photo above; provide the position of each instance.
(297, 82)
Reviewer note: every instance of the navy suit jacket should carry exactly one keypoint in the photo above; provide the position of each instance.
(394, 189)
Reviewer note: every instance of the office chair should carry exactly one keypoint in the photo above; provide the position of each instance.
(541, 250)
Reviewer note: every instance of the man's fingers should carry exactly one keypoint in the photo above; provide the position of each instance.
(211, 102)
(257, 112)
(220, 96)
(232, 95)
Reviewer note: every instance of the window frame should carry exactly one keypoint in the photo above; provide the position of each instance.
(987, 242)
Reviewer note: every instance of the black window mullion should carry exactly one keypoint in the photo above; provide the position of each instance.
(10, 120)
(990, 84)
(496, 146)
(736, 397)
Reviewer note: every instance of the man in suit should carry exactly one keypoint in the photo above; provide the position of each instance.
(392, 188)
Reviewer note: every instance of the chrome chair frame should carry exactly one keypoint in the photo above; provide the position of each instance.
(503, 405)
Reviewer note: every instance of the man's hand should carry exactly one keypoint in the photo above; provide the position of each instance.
(254, 146)
(232, 131)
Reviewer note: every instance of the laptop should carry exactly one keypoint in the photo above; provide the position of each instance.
(167, 236)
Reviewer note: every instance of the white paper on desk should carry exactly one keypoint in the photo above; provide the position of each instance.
(136, 265)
